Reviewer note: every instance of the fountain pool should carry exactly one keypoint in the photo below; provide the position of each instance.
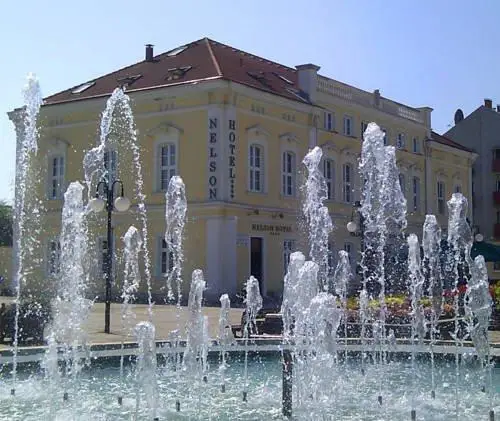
(100, 385)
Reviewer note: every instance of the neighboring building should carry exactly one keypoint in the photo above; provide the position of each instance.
(236, 127)
(480, 130)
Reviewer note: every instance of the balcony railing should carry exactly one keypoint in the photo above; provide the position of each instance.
(495, 165)
(496, 231)
(496, 197)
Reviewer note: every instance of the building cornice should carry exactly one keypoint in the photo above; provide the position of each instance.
(449, 149)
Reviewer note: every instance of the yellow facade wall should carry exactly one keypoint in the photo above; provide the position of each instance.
(218, 232)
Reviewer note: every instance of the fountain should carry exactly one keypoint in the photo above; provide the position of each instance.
(305, 375)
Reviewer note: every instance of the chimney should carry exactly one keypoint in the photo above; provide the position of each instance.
(488, 103)
(376, 97)
(307, 75)
(149, 52)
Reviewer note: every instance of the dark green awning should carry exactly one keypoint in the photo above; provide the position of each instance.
(489, 251)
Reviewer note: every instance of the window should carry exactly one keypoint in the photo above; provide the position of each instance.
(56, 177)
(496, 266)
(497, 184)
(329, 174)
(54, 257)
(166, 261)
(400, 142)
(110, 165)
(364, 126)
(496, 153)
(416, 145)
(458, 188)
(498, 217)
(81, 88)
(416, 194)
(288, 174)
(348, 128)
(167, 164)
(347, 183)
(288, 248)
(402, 184)
(385, 136)
(440, 197)
(329, 121)
(255, 168)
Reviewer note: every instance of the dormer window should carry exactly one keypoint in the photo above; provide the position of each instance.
(176, 51)
(128, 80)
(177, 72)
(260, 77)
(81, 88)
(283, 78)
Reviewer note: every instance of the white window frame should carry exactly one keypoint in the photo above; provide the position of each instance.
(416, 193)
(329, 121)
(288, 175)
(348, 125)
(329, 178)
(441, 197)
(400, 140)
(416, 144)
(110, 159)
(169, 168)
(347, 190)
(56, 181)
(254, 169)
(386, 136)
(288, 249)
(165, 258)
(53, 257)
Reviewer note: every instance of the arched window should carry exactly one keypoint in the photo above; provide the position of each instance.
(167, 164)
(329, 174)
(256, 168)
(288, 173)
(347, 176)
(441, 197)
(56, 177)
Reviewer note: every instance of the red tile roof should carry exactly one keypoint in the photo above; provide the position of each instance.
(448, 142)
(200, 60)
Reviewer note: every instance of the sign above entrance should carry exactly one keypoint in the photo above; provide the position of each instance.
(272, 228)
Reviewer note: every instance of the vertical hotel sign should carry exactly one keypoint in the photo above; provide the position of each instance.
(231, 142)
(213, 154)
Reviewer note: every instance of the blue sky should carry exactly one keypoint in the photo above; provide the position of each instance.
(440, 53)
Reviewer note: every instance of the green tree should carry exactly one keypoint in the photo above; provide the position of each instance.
(6, 223)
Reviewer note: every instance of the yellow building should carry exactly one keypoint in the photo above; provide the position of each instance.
(236, 127)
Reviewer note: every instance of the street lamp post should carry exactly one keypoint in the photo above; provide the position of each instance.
(105, 198)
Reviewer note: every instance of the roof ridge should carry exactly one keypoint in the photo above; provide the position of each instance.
(252, 55)
(212, 55)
